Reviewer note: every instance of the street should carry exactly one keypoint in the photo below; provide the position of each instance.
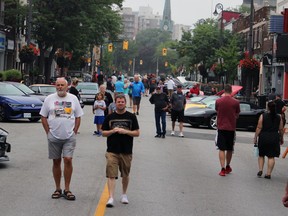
(171, 176)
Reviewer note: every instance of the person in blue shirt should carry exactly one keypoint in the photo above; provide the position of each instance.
(137, 90)
(119, 86)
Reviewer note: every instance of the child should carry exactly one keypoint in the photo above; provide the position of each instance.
(98, 109)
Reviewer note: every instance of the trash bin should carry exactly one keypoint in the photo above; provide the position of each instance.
(262, 101)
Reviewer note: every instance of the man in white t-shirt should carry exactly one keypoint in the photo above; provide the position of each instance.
(170, 87)
(61, 116)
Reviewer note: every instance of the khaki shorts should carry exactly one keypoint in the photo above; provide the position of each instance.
(115, 161)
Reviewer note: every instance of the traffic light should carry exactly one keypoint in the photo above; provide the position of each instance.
(125, 45)
(110, 47)
(166, 64)
(141, 62)
(164, 52)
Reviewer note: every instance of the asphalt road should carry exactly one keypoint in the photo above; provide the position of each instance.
(172, 176)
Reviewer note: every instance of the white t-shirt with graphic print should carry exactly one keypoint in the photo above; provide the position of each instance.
(61, 113)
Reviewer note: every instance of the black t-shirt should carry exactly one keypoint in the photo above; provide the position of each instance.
(160, 101)
(279, 104)
(120, 143)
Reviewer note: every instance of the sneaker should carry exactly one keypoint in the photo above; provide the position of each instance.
(163, 136)
(228, 169)
(172, 133)
(181, 134)
(99, 134)
(124, 199)
(95, 133)
(110, 203)
(158, 136)
(222, 172)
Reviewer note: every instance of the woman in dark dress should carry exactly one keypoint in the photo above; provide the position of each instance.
(269, 133)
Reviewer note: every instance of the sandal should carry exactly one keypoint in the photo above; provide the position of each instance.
(68, 195)
(57, 194)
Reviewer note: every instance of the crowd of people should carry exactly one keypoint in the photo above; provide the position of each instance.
(61, 117)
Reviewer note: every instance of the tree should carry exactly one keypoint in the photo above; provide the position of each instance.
(68, 24)
(231, 55)
(147, 42)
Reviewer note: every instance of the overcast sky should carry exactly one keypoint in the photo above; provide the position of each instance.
(185, 12)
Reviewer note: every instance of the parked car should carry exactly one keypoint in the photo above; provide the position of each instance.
(44, 89)
(207, 116)
(28, 90)
(87, 91)
(14, 104)
(4, 146)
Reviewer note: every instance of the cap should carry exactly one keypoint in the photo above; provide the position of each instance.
(179, 86)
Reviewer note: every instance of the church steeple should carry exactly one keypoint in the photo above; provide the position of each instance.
(166, 22)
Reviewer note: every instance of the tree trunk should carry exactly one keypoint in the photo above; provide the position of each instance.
(48, 64)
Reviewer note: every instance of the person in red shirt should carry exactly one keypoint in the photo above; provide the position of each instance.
(195, 90)
(228, 110)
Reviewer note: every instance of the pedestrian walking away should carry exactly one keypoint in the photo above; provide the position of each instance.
(137, 91)
(100, 78)
(272, 95)
(61, 116)
(120, 128)
(280, 108)
(98, 109)
(178, 103)
(269, 135)
(170, 86)
(161, 102)
(228, 110)
(73, 89)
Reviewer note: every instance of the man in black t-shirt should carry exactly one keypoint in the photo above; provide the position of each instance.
(119, 127)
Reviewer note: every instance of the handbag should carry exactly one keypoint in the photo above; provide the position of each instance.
(256, 150)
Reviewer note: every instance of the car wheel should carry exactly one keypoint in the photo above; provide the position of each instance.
(2, 114)
(213, 122)
(34, 119)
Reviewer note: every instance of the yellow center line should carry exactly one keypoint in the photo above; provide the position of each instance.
(101, 207)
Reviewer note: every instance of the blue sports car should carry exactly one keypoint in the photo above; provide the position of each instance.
(14, 104)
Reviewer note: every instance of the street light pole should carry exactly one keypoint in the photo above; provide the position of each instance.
(219, 6)
(250, 47)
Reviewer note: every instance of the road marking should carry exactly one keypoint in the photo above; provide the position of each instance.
(101, 207)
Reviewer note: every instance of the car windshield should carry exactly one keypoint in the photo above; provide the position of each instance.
(207, 100)
(8, 89)
(48, 89)
(25, 89)
(87, 86)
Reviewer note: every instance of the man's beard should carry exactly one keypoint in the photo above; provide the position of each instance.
(61, 93)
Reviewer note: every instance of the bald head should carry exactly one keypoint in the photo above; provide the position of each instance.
(61, 86)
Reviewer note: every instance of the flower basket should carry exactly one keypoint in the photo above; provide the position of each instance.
(249, 64)
(27, 54)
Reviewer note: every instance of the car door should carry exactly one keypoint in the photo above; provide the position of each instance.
(244, 116)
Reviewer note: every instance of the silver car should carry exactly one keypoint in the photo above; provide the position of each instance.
(87, 91)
